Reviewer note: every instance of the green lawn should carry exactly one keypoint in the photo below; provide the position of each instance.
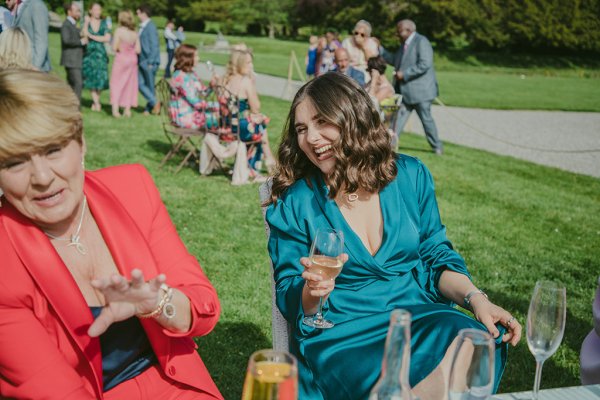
(464, 82)
(513, 221)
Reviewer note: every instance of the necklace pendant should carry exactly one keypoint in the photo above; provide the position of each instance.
(80, 247)
(352, 197)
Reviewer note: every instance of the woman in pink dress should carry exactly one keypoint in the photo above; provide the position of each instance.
(124, 76)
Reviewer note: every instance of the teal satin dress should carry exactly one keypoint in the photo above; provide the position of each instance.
(344, 362)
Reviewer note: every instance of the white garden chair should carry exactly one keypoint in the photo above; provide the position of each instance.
(280, 328)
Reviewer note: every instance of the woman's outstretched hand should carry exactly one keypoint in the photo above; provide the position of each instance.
(124, 298)
(489, 314)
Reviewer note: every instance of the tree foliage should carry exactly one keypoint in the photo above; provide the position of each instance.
(540, 25)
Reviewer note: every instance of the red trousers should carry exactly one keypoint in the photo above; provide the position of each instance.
(154, 384)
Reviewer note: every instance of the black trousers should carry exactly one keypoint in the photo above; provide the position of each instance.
(75, 80)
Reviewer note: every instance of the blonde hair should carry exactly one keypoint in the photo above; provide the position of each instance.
(126, 19)
(37, 110)
(237, 59)
(15, 49)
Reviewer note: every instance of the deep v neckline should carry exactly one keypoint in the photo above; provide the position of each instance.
(349, 228)
(353, 242)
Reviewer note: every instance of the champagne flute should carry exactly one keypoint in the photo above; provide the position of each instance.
(326, 260)
(472, 370)
(271, 375)
(545, 324)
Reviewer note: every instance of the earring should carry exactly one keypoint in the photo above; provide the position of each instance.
(82, 163)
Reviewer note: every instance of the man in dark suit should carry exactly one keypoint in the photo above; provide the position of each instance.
(149, 59)
(342, 60)
(72, 48)
(32, 17)
(415, 80)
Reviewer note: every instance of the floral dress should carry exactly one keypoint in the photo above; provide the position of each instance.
(95, 61)
(187, 105)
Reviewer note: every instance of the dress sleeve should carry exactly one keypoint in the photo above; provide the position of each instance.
(288, 241)
(436, 251)
(188, 90)
(181, 268)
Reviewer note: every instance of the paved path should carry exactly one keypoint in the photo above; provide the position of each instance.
(506, 132)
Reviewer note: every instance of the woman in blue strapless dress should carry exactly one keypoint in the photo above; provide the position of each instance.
(337, 170)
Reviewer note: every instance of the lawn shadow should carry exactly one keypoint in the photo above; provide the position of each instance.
(407, 150)
(520, 370)
(226, 351)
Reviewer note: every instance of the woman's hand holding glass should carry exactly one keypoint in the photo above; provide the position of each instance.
(320, 270)
(489, 314)
(316, 284)
(125, 299)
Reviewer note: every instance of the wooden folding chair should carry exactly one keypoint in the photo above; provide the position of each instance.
(181, 139)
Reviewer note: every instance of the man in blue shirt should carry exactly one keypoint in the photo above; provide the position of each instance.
(342, 60)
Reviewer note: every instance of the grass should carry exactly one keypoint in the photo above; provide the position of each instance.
(464, 81)
(513, 221)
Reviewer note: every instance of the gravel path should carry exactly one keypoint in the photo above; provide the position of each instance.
(520, 134)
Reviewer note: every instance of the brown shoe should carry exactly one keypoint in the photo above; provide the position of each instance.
(156, 108)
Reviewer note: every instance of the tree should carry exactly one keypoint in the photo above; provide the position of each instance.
(193, 13)
(263, 12)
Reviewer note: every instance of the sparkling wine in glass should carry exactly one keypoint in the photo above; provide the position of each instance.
(271, 375)
(545, 324)
(472, 370)
(326, 260)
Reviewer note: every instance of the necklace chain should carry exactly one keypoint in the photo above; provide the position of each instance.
(75, 239)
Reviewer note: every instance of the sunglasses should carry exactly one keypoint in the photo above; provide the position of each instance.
(356, 33)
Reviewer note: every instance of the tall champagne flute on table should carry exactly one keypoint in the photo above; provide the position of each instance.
(545, 324)
(326, 260)
(271, 375)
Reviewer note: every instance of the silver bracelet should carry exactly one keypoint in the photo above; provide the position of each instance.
(467, 298)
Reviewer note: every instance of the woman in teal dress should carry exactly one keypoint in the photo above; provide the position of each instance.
(337, 170)
(95, 59)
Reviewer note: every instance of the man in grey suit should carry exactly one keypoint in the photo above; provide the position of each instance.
(149, 59)
(415, 79)
(32, 17)
(72, 48)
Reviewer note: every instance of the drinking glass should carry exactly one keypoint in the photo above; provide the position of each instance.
(472, 370)
(326, 260)
(271, 375)
(545, 324)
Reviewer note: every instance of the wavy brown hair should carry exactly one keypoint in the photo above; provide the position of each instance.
(185, 55)
(364, 156)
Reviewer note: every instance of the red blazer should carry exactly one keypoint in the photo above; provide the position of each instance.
(45, 352)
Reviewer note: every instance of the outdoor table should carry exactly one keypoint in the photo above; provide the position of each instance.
(591, 392)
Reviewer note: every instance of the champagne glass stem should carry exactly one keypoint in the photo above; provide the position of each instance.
(319, 316)
(538, 379)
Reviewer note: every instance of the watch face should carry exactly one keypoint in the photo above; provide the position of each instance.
(169, 310)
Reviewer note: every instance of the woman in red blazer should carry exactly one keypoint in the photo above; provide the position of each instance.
(99, 299)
